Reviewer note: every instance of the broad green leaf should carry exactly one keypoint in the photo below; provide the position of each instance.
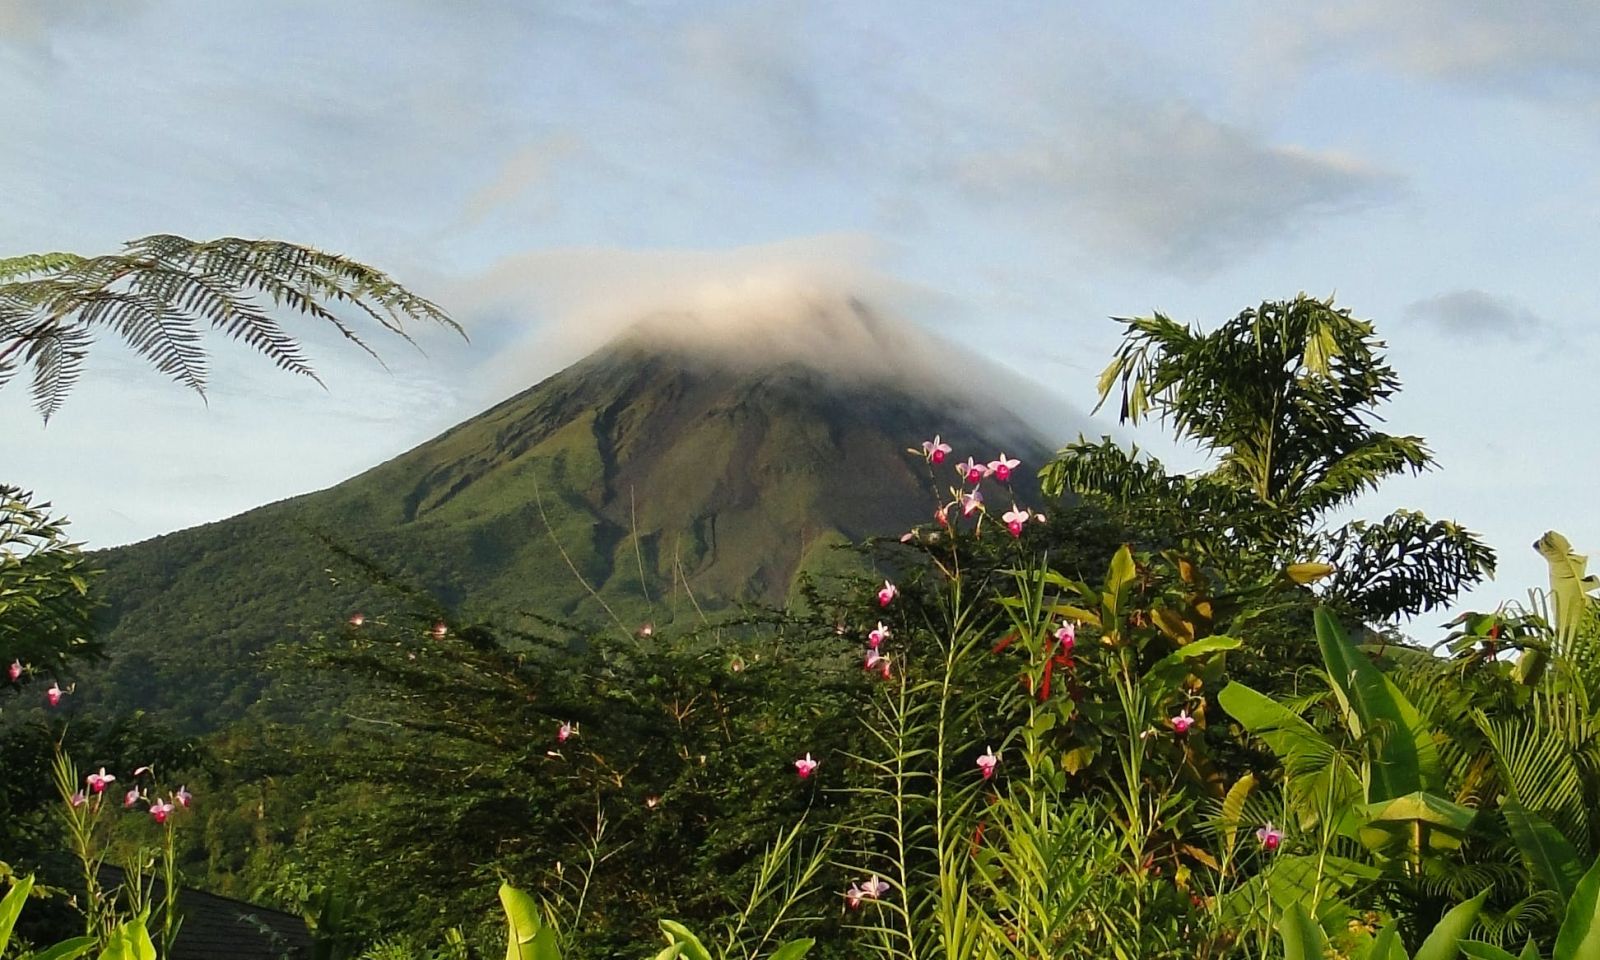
(1570, 582)
(672, 952)
(692, 947)
(1122, 572)
(1390, 822)
(1478, 950)
(793, 950)
(1071, 612)
(1405, 759)
(1549, 855)
(1579, 938)
(1175, 665)
(522, 924)
(1530, 951)
(1302, 937)
(1387, 946)
(1444, 943)
(66, 949)
(11, 908)
(1284, 731)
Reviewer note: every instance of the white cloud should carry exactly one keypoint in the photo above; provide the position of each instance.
(819, 302)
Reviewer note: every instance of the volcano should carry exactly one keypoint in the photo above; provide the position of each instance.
(648, 482)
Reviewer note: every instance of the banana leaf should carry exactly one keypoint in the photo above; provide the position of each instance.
(1403, 759)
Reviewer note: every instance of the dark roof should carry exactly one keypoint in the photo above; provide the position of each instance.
(221, 928)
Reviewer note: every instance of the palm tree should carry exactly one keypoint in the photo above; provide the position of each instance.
(160, 293)
(1286, 397)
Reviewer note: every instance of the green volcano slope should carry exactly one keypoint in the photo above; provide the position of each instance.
(670, 483)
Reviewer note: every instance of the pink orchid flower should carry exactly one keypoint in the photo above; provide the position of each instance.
(97, 781)
(54, 694)
(1014, 519)
(804, 766)
(1067, 636)
(563, 732)
(131, 797)
(876, 637)
(887, 594)
(986, 763)
(935, 449)
(874, 888)
(184, 797)
(1271, 837)
(142, 771)
(1182, 722)
(439, 630)
(971, 501)
(853, 896)
(873, 659)
(160, 810)
(16, 670)
(883, 667)
(78, 799)
(1002, 467)
(972, 471)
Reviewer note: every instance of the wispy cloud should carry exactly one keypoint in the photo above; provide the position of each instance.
(1169, 187)
(1542, 50)
(1476, 315)
(523, 179)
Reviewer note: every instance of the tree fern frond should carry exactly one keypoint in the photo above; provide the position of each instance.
(33, 264)
(161, 288)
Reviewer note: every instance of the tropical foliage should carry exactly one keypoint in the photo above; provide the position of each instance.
(1158, 716)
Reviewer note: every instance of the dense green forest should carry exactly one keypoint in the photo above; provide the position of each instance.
(1123, 713)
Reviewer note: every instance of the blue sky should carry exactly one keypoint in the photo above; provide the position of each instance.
(1008, 174)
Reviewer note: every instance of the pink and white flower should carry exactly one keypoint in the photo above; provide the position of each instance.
(160, 810)
(1182, 722)
(1002, 467)
(1067, 636)
(1014, 519)
(935, 449)
(805, 766)
(184, 797)
(439, 630)
(887, 593)
(971, 501)
(972, 471)
(987, 762)
(78, 799)
(54, 694)
(357, 619)
(874, 888)
(877, 636)
(883, 667)
(15, 671)
(853, 897)
(564, 731)
(97, 781)
(131, 797)
(873, 659)
(1271, 837)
